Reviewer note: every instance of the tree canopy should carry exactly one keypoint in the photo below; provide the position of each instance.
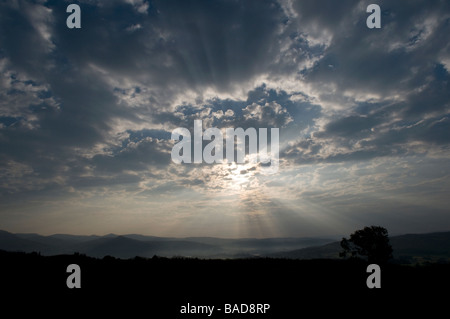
(371, 243)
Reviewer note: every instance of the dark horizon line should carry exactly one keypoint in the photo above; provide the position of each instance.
(332, 237)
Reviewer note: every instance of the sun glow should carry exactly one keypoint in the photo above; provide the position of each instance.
(241, 175)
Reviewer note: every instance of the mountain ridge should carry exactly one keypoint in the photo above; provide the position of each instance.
(130, 245)
(408, 248)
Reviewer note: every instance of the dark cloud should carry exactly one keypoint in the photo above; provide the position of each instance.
(391, 84)
(350, 127)
(220, 43)
(181, 44)
(136, 156)
(402, 53)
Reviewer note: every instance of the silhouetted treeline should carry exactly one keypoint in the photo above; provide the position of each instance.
(163, 285)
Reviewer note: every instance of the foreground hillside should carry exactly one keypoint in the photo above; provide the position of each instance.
(159, 287)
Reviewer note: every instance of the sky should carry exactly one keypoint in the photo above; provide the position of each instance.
(86, 116)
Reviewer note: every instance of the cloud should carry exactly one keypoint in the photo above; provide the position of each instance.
(278, 115)
(136, 156)
(88, 113)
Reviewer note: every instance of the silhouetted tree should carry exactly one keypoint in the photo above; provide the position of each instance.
(371, 242)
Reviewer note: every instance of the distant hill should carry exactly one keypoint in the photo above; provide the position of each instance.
(410, 248)
(422, 247)
(330, 250)
(128, 246)
(124, 247)
(13, 242)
